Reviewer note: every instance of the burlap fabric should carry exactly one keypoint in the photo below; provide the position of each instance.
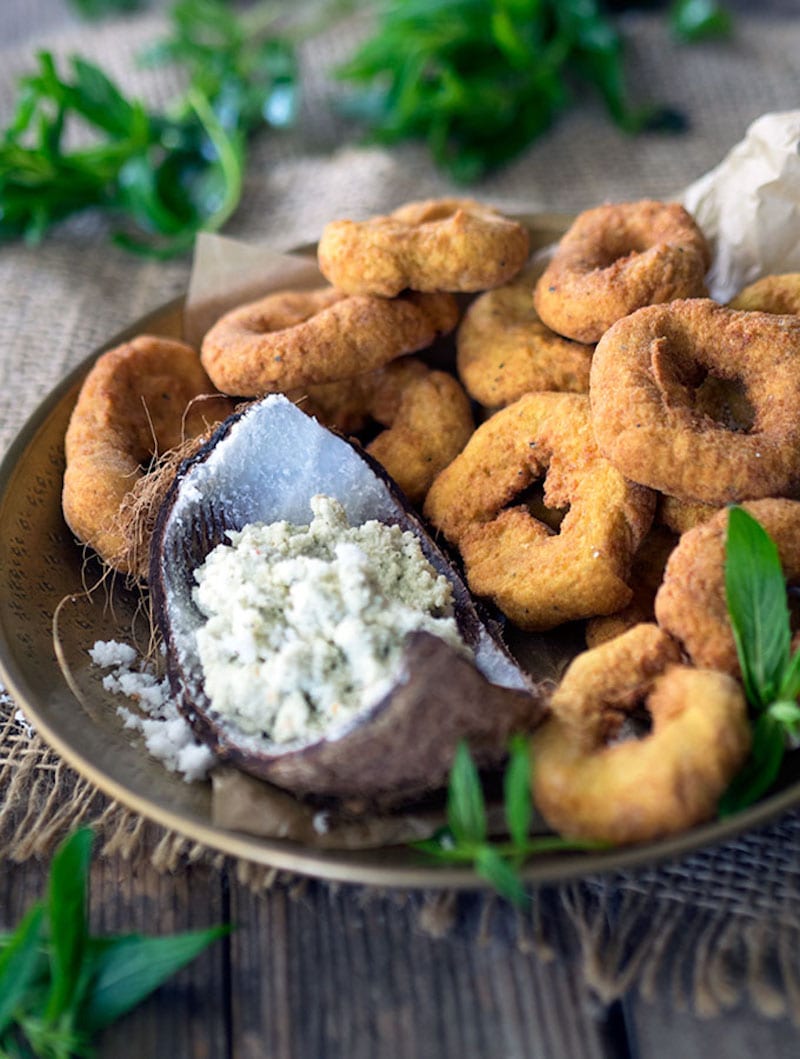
(707, 929)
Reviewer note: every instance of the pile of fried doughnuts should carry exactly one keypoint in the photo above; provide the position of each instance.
(619, 408)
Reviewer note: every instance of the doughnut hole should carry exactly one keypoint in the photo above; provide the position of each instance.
(501, 502)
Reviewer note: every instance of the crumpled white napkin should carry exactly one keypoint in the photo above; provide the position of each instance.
(749, 205)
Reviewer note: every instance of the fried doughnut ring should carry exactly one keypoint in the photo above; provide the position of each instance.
(434, 245)
(138, 401)
(300, 338)
(587, 786)
(771, 294)
(647, 573)
(426, 413)
(350, 404)
(617, 258)
(691, 604)
(504, 349)
(540, 578)
(682, 515)
(645, 374)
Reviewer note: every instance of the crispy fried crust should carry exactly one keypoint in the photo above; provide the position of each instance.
(647, 573)
(682, 515)
(434, 245)
(691, 604)
(137, 402)
(617, 258)
(645, 376)
(504, 349)
(350, 404)
(302, 338)
(771, 294)
(540, 578)
(639, 789)
(432, 424)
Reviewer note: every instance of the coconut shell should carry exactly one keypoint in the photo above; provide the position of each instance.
(264, 465)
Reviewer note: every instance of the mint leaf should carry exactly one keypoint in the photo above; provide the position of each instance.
(132, 967)
(790, 685)
(19, 962)
(756, 596)
(699, 19)
(66, 912)
(761, 769)
(490, 865)
(466, 807)
(787, 714)
(517, 791)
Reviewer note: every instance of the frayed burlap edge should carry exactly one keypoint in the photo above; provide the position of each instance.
(705, 961)
(43, 799)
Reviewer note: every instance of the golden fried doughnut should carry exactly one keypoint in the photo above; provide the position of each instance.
(137, 402)
(350, 404)
(435, 245)
(431, 426)
(504, 349)
(646, 372)
(691, 602)
(647, 573)
(426, 413)
(301, 338)
(537, 577)
(682, 515)
(771, 294)
(617, 258)
(587, 785)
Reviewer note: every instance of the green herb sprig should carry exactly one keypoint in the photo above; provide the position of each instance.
(759, 614)
(465, 838)
(168, 175)
(480, 79)
(101, 8)
(59, 985)
(699, 19)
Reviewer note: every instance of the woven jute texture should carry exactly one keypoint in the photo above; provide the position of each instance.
(709, 929)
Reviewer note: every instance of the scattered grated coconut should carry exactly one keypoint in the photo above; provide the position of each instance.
(167, 735)
(19, 717)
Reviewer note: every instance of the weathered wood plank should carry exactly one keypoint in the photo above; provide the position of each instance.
(333, 974)
(657, 1031)
(188, 1018)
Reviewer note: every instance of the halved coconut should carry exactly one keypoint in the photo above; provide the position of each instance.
(264, 465)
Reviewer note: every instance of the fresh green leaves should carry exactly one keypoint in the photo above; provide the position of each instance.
(480, 79)
(100, 8)
(466, 809)
(465, 839)
(698, 19)
(756, 595)
(759, 615)
(167, 175)
(59, 985)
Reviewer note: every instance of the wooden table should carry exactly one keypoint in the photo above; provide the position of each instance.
(320, 972)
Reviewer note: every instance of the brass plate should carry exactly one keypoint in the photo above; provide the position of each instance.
(41, 566)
